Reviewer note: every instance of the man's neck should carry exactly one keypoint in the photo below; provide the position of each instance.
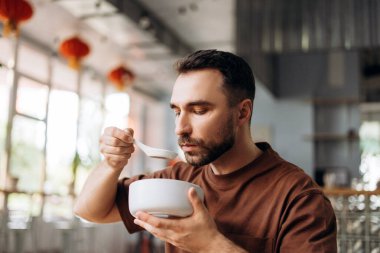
(238, 156)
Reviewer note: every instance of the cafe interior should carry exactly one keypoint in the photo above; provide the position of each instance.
(71, 68)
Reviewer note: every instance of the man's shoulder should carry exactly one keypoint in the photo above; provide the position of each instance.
(295, 180)
(292, 172)
(275, 172)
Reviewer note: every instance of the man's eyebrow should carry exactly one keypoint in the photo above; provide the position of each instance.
(199, 103)
(193, 103)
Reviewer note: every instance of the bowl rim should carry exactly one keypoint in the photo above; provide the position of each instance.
(166, 180)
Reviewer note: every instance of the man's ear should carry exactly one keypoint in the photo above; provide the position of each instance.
(245, 111)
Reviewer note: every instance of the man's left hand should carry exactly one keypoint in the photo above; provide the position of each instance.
(193, 233)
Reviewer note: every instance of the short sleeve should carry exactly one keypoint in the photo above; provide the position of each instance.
(309, 225)
(123, 205)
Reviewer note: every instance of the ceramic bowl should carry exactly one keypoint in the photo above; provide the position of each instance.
(162, 197)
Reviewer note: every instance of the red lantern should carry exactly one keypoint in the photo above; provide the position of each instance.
(74, 49)
(12, 13)
(121, 77)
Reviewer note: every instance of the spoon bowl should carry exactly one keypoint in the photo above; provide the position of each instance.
(156, 152)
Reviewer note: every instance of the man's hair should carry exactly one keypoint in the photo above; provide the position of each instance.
(239, 82)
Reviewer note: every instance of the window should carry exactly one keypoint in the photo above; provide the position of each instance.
(63, 77)
(55, 129)
(90, 128)
(4, 107)
(370, 144)
(29, 58)
(91, 87)
(61, 140)
(6, 52)
(31, 98)
(28, 135)
(117, 110)
(27, 157)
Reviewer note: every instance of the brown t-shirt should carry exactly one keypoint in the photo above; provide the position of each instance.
(269, 205)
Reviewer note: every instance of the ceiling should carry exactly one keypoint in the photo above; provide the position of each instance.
(117, 36)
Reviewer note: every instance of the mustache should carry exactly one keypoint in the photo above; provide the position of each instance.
(189, 141)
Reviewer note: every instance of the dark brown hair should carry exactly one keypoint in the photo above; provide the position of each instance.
(239, 82)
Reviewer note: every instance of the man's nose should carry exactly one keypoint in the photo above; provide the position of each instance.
(183, 125)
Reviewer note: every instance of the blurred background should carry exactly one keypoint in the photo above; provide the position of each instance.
(70, 68)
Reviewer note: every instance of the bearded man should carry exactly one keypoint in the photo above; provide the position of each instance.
(255, 201)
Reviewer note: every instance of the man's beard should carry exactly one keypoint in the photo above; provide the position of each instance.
(210, 151)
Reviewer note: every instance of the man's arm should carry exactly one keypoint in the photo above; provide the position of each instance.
(309, 225)
(196, 233)
(96, 202)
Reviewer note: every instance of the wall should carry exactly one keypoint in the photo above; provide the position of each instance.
(284, 123)
(321, 74)
(330, 81)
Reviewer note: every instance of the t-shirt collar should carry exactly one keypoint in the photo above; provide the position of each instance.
(266, 161)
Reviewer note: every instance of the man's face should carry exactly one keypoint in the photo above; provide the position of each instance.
(204, 122)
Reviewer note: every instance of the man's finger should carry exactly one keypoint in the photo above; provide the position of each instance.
(144, 225)
(152, 220)
(162, 234)
(112, 141)
(117, 158)
(129, 130)
(117, 150)
(195, 200)
(123, 135)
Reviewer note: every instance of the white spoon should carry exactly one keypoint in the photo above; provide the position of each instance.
(156, 152)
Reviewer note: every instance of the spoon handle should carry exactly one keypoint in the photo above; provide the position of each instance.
(155, 152)
(140, 145)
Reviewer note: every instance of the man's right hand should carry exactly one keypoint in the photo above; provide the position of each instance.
(117, 146)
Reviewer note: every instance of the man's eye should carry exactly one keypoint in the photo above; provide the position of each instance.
(200, 111)
(176, 113)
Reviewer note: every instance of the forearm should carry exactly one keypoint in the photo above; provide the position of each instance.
(97, 198)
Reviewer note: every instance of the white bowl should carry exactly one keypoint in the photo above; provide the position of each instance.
(162, 197)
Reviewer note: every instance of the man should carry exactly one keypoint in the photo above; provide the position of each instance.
(254, 200)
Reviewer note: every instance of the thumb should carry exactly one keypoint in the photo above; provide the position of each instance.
(130, 130)
(195, 201)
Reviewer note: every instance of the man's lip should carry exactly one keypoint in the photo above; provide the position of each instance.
(188, 147)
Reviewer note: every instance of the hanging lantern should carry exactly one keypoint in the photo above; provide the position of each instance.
(121, 77)
(12, 13)
(74, 49)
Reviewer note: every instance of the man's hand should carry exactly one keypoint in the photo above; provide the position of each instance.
(195, 233)
(117, 146)
(96, 202)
